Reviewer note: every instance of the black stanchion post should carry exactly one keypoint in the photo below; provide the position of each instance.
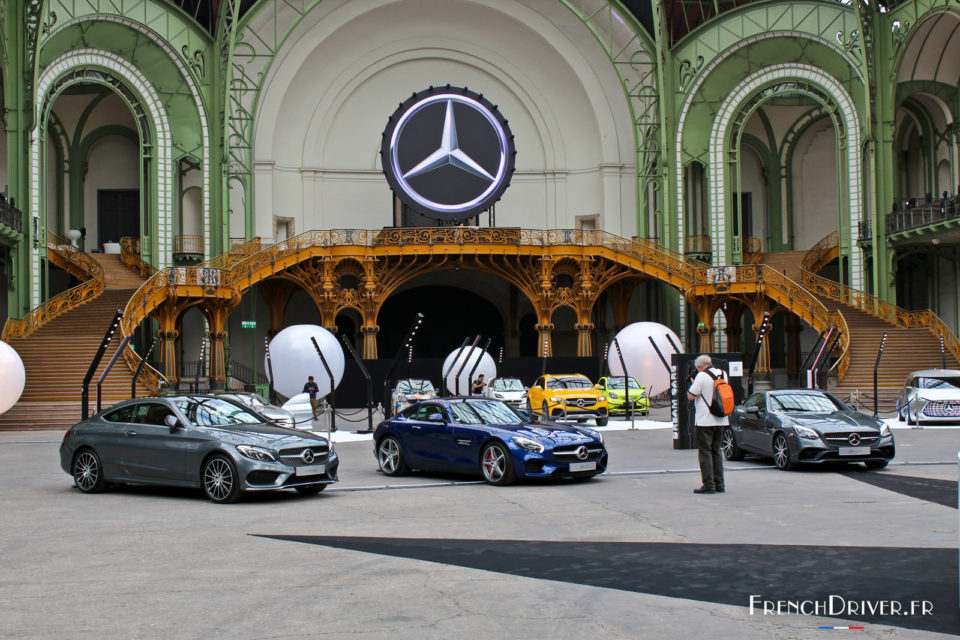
(443, 383)
(475, 366)
(266, 350)
(366, 375)
(85, 388)
(761, 334)
(456, 380)
(333, 394)
(136, 376)
(407, 341)
(116, 354)
(196, 377)
(876, 368)
(816, 345)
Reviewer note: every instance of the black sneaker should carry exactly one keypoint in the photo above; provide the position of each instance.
(704, 490)
(720, 490)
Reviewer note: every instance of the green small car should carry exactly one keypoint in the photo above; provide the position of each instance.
(613, 387)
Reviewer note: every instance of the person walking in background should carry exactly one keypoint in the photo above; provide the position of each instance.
(478, 385)
(313, 390)
(709, 427)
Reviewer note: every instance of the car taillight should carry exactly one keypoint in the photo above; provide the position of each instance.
(67, 434)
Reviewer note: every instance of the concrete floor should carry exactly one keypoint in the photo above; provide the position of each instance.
(635, 554)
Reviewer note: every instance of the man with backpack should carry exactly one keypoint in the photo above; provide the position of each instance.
(712, 396)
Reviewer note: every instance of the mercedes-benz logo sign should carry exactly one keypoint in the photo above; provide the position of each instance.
(581, 402)
(307, 456)
(854, 439)
(448, 153)
(582, 453)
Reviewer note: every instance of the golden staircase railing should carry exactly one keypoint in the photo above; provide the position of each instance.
(816, 258)
(61, 251)
(234, 255)
(130, 256)
(883, 310)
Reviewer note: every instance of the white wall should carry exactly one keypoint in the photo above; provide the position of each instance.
(347, 66)
(751, 181)
(816, 201)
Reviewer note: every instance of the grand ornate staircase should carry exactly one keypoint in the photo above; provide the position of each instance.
(57, 355)
(912, 337)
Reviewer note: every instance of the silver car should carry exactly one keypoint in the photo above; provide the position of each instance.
(277, 415)
(930, 395)
(510, 390)
(195, 441)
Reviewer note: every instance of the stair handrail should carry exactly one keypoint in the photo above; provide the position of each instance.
(64, 302)
(130, 256)
(883, 310)
(812, 261)
(843, 362)
(229, 258)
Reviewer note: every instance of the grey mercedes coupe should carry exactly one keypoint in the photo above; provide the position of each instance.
(794, 426)
(195, 441)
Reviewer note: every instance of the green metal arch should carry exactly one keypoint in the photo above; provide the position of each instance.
(792, 137)
(911, 15)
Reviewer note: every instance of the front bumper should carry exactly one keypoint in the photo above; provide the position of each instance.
(275, 476)
(557, 463)
(619, 405)
(935, 411)
(564, 410)
(809, 451)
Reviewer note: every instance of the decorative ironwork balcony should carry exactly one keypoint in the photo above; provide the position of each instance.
(920, 213)
(187, 250)
(697, 245)
(12, 218)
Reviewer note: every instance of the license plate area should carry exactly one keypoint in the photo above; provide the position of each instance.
(311, 470)
(583, 466)
(854, 451)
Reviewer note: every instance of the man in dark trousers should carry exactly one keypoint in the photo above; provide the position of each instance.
(709, 427)
(312, 389)
(478, 385)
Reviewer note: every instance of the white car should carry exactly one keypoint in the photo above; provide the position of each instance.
(262, 406)
(299, 406)
(510, 390)
(930, 395)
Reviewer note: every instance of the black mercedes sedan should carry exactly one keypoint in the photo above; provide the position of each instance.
(795, 426)
(195, 441)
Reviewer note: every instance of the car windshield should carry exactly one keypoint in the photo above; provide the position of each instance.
(568, 382)
(484, 412)
(507, 384)
(414, 386)
(813, 402)
(616, 382)
(214, 412)
(950, 384)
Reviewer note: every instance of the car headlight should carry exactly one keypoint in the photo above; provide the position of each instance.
(614, 395)
(554, 400)
(885, 431)
(596, 434)
(256, 453)
(804, 432)
(528, 444)
(602, 399)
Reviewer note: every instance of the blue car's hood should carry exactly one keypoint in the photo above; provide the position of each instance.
(265, 435)
(550, 432)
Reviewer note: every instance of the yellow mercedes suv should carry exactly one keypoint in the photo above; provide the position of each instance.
(568, 396)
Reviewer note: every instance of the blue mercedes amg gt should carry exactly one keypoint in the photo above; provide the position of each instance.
(485, 436)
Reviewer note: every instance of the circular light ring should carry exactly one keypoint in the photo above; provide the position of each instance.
(410, 196)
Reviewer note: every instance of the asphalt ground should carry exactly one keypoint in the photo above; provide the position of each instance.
(631, 554)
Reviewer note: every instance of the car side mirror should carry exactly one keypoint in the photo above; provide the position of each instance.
(753, 410)
(435, 417)
(171, 421)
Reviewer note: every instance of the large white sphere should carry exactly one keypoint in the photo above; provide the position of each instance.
(641, 358)
(294, 358)
(470, 355)
(12, 376)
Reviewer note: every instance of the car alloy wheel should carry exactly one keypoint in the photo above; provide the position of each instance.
(781, 452)
(220, 481)
(496, 465)
(390, 457)
(729, 445)
(87, 472)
